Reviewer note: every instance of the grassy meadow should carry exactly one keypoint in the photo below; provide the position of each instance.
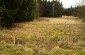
(44, 36)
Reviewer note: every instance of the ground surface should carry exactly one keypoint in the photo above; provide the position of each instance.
(45, 36)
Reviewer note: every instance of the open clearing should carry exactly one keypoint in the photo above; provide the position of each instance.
(51, 36)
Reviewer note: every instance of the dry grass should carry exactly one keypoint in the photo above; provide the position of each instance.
(45, 34)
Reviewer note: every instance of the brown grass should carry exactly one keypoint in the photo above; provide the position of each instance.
(45, 34)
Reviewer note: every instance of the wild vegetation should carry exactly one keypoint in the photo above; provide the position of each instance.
(17, 11)
(48, 33)
(78, 11)
(13, 11)
(51, 8)
(44, 36)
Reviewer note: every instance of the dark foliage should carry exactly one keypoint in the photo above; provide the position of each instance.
(17, 11)
(51, 9)
(69, 11)
(80, 11)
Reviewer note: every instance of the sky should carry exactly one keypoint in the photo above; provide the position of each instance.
(69, 3)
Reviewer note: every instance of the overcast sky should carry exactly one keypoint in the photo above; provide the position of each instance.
(69, 3)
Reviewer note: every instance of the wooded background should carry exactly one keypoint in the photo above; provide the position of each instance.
(12, 11)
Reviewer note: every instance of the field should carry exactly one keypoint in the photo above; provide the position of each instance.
(44, 36)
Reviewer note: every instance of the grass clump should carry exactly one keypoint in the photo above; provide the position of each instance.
(52, 37)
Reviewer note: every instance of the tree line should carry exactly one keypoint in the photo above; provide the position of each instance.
(17, 11)
(51, 8)
(12, 11)
(78, 11)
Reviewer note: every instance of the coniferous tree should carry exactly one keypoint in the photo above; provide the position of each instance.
(58, 9)
(17, 11)
(68, 11)
(79, 11)
(51, 8)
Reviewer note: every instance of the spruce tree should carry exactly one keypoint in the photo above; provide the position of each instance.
(51, 8)
(17, 11)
